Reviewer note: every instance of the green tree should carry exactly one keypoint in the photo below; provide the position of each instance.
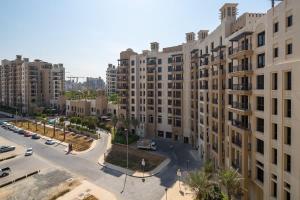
(44, 121)
(200, 184)
(232, 181)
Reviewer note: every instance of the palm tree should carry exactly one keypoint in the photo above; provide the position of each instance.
(200, 184)
(44, 121)
(114, 121)
(64, 130)
(231, 180)
(54, 123)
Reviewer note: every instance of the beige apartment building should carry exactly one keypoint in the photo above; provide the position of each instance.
(30, 86)
(232, 93)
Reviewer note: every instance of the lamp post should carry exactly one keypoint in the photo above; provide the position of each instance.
(179, 175)
(126, 132)
(166, 189)
(143, 165)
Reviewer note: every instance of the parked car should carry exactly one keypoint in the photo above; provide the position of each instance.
(50, 142)
(21, 131)
(146, 144)
(6, 148)
(28, 152)
(4, 171)
(27, 134)
(35, 136)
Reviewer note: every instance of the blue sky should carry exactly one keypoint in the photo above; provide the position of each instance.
(86, 35)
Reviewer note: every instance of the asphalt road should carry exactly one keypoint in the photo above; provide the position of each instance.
(86, 166)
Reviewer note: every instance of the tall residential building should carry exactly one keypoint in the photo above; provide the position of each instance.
(30, 86)
(111, 79)
(232, 93)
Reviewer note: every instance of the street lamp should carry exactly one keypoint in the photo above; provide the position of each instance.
(166, 189)
(143, 165)
(179, 175)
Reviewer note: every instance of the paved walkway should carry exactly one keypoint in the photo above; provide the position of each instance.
(85, 189)
(178, 193)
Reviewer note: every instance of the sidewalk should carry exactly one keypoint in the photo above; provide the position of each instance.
(174, 193)
(86, 188)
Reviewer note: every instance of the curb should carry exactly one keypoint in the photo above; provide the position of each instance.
(20, 178)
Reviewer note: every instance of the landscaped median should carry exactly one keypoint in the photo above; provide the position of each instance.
(116, 158)
(79, 142)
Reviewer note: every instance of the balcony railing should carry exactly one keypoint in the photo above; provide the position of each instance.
(240, 48)
(215, 101)
(237, 141)
(244, 87)
(240, 68)
(241, 105)
(241, 125)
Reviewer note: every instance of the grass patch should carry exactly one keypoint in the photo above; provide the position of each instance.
(117, 156)
(80, 143)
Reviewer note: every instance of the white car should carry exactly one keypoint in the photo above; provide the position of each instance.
(50, 142)
(28, 152)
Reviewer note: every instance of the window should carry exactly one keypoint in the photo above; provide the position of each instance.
(287, 135)
(287, 195)
(159, 119)
(170, 77)
(274, 189)
(259, 146)
(159, 69)
(289, 48)
(159, 61)
(287, 162)
(260, 82)
(132, 63)
(274, 131)
(261, 39)
(288, 80)
(288, 108)
(132, 109)
(275, 52)
(169, 120)
(274, 81)
(160, 133)
(289, 21)
(274, 156)
(260, 174)
(274, 106)
(168, 135)
(275, 27)
(159, 77)
(260, 103)
(260, 124)
(261, 60)
(159, 109)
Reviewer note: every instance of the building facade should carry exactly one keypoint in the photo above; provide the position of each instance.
(232, 93)
(30, 86)
(94, 83)
(111, 79)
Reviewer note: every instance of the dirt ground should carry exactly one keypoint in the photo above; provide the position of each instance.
(47, 185)
(80, 143)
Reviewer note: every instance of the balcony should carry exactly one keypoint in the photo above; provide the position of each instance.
(214, 129)
(204, 87)
(215, 101)
(241, 70)
(218, 59)
(241, 125)
(214, 115)
(240, 51)
(237, 141)
(241, 107)
(215, 87)
(241, 88)
(236, 165)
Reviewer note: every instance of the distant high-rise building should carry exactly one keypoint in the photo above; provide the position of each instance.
(30, 86)
(111, 74)
(94, 83)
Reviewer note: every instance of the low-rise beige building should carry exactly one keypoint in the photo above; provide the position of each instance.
(87, 107)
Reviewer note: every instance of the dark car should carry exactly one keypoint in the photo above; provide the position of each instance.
(35, 136)
(6, 148)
